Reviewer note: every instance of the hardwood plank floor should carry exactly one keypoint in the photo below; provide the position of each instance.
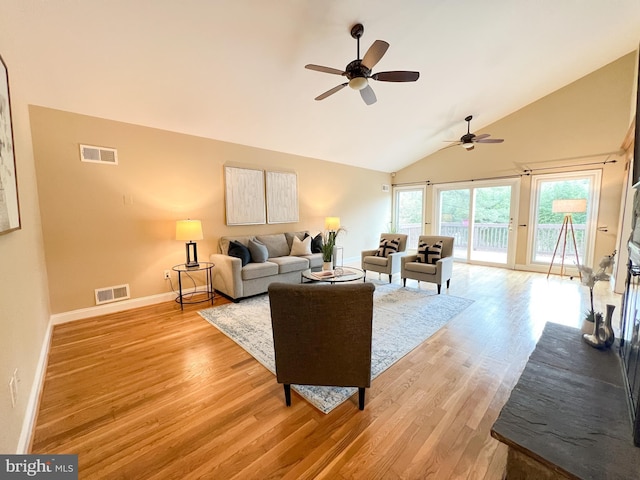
(158, 393)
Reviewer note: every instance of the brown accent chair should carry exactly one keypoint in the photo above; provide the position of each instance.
(389, 265)
(424, 272)
(322, 335)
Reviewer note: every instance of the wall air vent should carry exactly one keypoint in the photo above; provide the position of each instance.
(112, 294)
(385, 187)
(104, 155)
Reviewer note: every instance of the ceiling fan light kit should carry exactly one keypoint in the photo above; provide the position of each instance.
(358, 72)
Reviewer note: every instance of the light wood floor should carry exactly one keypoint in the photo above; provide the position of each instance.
(156, 393)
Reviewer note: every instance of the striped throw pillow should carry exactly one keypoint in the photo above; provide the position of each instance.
(429, 253)
(387, 247)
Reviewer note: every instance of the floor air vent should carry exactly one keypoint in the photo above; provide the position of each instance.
(108, 156)
(112, 294)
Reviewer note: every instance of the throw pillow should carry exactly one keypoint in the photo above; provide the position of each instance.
(316, 243)
(435, 253)
(387, 247)
(258, 250)
(423, 248)
(301, 247)
(238, 250)
(429, 253)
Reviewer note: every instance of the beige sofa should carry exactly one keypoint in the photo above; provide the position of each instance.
(236, 282)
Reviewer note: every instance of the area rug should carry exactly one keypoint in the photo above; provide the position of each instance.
(403, 318)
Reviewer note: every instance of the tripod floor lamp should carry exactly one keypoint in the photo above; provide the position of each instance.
(567, 207)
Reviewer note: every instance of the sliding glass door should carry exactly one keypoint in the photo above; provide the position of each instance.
(479, 216)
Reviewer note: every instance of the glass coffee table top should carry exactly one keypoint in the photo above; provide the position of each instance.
(339, 274)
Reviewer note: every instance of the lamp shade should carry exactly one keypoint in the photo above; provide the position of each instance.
(189, 230)
(332, 223)
(574, 205)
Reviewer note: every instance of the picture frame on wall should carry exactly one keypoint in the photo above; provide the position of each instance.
(9, 205)
(282, 197)
(244, 196)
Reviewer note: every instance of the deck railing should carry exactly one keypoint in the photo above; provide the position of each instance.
(495, 236)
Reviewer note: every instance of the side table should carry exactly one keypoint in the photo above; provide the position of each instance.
(181, 269)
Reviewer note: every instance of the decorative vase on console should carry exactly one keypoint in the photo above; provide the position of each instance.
(603, 335)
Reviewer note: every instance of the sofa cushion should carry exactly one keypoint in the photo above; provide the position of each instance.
(315, 260)
(238, 250)
(259, 252)
(301, 247)
(387, 247)
(259, 270)
(276, 244)
(290, 264)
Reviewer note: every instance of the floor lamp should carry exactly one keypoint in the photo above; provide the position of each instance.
(578, 205)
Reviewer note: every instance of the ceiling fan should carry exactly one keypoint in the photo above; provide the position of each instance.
(359, 71)
(469, 139)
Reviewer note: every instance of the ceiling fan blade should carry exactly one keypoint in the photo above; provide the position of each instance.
(320, 68)
(374, 54)
(454, 144)
(331, 92)
(367, 95)
(489, 140)
(396, 76)
(481, 136)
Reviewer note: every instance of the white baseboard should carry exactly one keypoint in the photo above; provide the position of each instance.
(29, 421)
(111, 308)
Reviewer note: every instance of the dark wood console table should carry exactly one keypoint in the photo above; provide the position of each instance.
(568, 415)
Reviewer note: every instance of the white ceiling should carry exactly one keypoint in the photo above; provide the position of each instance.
(233, 70)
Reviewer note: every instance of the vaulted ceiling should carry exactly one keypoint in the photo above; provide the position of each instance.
(233, 70)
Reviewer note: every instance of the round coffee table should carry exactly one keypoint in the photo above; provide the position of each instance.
(338, 275)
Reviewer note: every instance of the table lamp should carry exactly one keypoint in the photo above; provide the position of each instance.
(567, 206)
(190, 230)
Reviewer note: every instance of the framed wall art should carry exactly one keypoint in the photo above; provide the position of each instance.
(244, 196)
(9, 207)
(282, 197)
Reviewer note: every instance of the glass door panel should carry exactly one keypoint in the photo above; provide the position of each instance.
(491, 224)
(454, 219)
(408, 214)
(548, 232)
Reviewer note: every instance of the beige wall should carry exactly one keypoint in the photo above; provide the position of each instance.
(24, 312)
(107, 225)
(581, 123)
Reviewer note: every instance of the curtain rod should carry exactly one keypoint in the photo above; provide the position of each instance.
(527, 172)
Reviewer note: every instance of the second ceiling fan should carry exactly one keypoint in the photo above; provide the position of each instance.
(469, 139)
(358, 72)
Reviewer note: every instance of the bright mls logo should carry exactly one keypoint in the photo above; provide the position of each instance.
(50, 467)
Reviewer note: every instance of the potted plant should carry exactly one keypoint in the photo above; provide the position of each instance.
(329, 242)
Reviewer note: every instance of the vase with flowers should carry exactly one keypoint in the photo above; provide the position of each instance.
(589, 279)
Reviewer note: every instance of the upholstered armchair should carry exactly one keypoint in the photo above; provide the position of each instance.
(322, 335)
(433, 270)
(389, 263)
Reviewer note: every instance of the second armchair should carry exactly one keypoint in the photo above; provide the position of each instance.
(385, 258)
